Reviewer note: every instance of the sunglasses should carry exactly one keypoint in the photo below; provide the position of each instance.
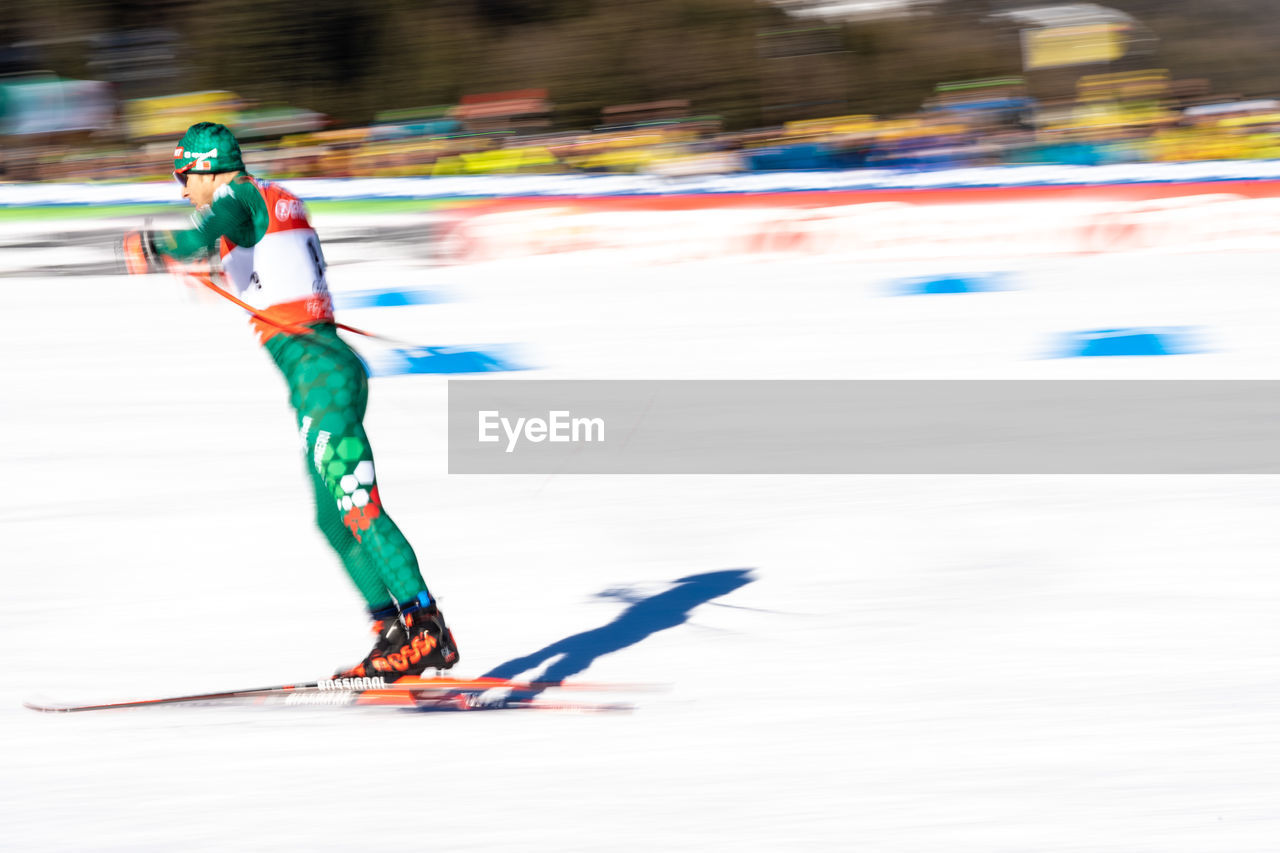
(180, 175)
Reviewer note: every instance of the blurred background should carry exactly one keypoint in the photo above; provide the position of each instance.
(97, 91)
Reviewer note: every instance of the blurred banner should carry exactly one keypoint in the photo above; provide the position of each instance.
(1054, 47)
(876, 225)
(54, 105)
(863, 427)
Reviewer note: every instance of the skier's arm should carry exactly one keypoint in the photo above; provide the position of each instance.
(237, 212)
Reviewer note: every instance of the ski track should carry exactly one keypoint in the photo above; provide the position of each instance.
(919, 663)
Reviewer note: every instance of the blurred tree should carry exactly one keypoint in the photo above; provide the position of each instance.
(520, 11)
(351, 59)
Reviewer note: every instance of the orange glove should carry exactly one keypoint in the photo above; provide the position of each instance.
(137, 252)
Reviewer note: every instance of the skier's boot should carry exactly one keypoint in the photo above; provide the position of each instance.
(428, 642)
(408, 642)
(387, 634)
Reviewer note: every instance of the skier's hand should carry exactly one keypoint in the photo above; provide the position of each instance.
(137, 253)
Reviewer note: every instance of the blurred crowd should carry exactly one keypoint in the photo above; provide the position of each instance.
(1133, 116)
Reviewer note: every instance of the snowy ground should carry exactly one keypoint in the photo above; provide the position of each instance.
(913, 663)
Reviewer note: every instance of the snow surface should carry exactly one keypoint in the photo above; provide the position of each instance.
(916, 663)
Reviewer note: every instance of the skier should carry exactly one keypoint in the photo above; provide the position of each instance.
(272, 263)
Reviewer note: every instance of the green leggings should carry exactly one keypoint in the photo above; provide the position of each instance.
(329, 390)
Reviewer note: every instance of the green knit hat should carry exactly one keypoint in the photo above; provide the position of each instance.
(207, 147)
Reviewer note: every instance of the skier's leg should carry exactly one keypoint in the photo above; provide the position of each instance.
(351, 487)
(328, 388)
(420, 639)
(355, 559)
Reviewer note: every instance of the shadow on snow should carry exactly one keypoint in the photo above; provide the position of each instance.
(645, 616)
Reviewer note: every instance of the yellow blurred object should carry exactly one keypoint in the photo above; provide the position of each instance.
(1147, 83)
(1100, 114)
(171, 115)
(835, 124)
(636, 140)
(618, 160)
(1249, 120)
(497, 161)
(1182, 144)
(1265, 146)
(1053, 47)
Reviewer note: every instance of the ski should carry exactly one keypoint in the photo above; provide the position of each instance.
(432, 693)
